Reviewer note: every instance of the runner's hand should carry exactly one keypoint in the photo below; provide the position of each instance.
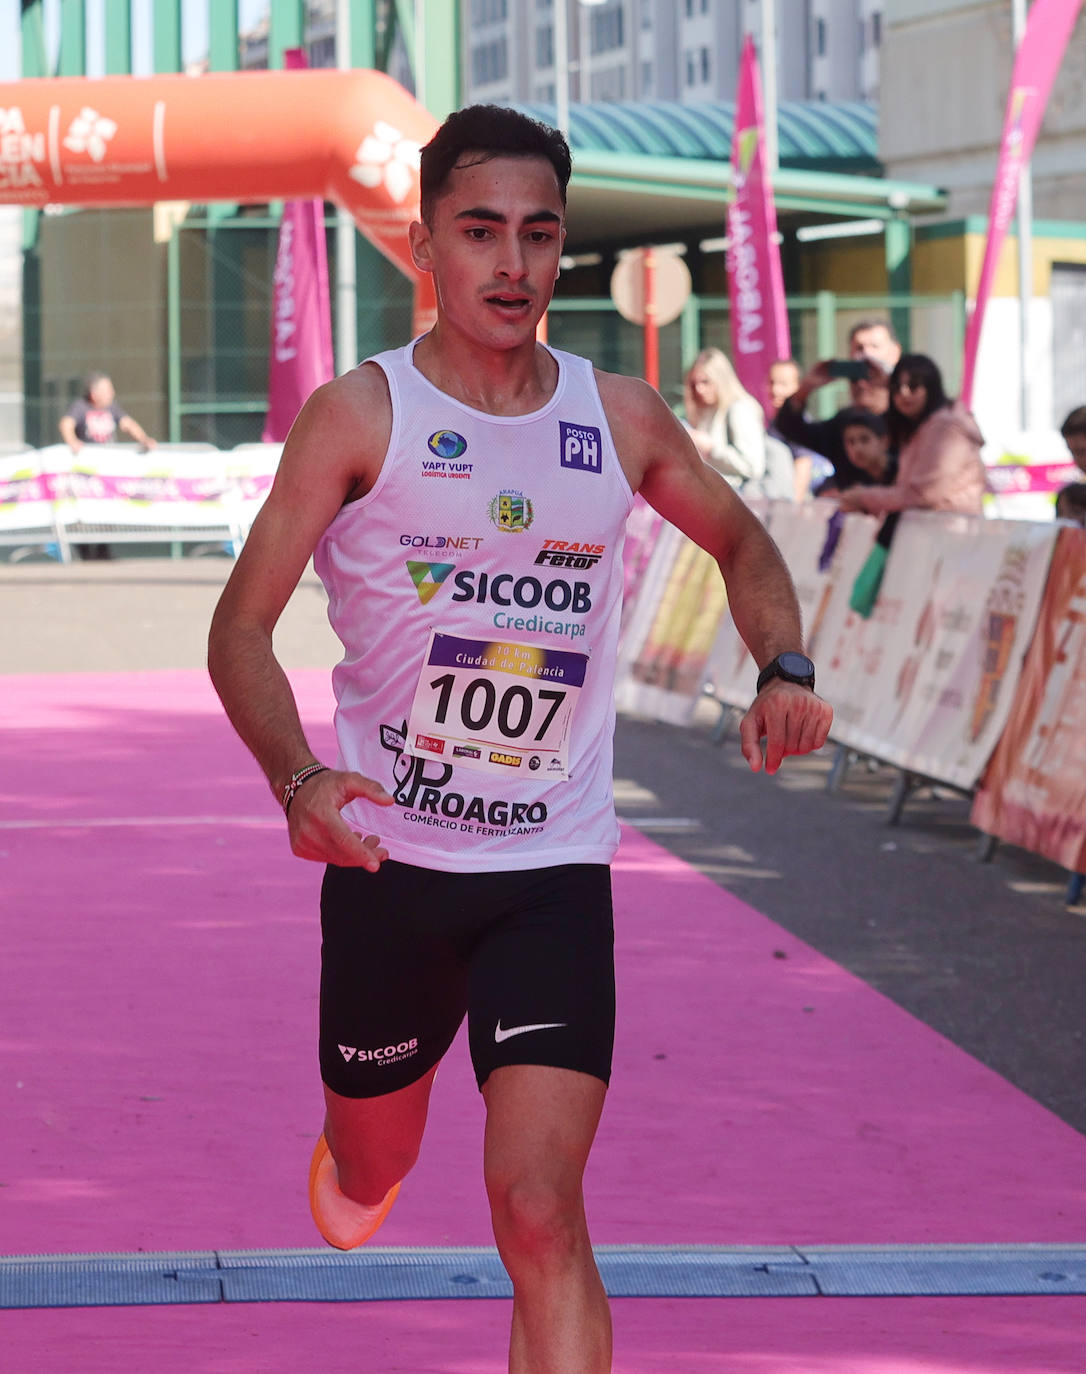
(791, 720)
(319, 832)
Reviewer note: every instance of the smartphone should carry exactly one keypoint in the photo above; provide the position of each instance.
(854, 369)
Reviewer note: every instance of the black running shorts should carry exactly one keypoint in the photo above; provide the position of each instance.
(528, 955)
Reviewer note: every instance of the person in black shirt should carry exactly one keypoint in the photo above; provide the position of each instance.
(870, 341)
(95, 418)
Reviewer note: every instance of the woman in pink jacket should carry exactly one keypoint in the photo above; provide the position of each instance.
(938, 446)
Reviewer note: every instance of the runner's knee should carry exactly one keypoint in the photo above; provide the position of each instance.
(537, 1220)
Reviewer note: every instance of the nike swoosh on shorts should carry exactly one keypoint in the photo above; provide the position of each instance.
(500, 1035)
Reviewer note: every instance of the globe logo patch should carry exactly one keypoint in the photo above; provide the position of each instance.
(446, 443)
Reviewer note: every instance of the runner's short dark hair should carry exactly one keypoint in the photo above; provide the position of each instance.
(487, 131)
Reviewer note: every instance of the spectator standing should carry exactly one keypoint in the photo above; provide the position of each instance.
(938, 445)
(809, 469)
(725, 422)
(95, 418)
(871, 341)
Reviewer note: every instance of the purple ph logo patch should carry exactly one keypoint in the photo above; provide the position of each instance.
(581, 447)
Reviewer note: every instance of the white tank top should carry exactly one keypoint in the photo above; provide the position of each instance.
(476, 590)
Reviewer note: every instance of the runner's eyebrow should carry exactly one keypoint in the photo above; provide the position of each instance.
(496, 216)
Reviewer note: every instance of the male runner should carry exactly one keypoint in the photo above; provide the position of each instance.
(465, 500)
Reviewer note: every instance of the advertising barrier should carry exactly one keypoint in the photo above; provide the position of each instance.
(925, 683)
(1034, 790)
(112, 493)
(936, 681)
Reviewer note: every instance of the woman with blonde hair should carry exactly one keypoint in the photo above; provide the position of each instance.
(725, 422)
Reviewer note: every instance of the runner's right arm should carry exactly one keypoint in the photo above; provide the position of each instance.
(332, 454)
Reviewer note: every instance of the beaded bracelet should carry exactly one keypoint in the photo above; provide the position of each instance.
(296, 780)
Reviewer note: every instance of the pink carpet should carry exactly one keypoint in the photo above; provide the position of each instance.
(160, 1088)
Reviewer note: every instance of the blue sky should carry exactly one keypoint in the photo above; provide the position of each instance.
(193, 22)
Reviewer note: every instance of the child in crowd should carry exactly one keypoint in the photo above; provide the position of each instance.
(867, 444)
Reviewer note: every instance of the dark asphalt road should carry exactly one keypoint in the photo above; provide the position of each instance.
(987, 954)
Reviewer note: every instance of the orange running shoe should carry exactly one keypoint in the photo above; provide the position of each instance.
(342, 1223)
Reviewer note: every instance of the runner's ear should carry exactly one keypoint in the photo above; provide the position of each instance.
(418, 237)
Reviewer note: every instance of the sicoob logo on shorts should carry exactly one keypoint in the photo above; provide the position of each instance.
(511, 510)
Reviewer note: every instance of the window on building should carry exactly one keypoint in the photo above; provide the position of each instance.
(820, 37)
(646, 14)
(490, 62)
(862, 36)
(607, 30)
(705, 64)
(646, 78)
(705, 6)
(689, 9)
(544, 46)
(489, 11)
(691, 69)
(876, 29)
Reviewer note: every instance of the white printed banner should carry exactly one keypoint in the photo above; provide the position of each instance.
(800, 532)
(926, 683)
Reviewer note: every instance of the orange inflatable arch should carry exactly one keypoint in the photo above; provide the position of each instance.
(348, 137)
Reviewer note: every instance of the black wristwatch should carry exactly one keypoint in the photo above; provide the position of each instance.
(790, 667)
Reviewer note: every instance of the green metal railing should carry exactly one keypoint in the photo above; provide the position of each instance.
(218, 325)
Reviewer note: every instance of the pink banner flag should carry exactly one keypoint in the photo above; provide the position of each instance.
(1036, 63)
(301, 326)
(759, 318)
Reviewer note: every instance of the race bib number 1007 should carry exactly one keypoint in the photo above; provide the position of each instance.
(496, 706)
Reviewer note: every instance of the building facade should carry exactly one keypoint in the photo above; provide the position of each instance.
(946, 73)
(685, 50)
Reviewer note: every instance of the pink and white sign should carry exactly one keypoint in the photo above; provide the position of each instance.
(759, 318)
(1040, 53)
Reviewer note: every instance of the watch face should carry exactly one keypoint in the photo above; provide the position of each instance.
(796, 665)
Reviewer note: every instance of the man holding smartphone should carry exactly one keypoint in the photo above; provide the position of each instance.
(873, 351)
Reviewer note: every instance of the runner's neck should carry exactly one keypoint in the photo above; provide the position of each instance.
(495, 382)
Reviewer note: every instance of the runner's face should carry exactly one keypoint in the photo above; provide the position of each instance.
(494, 246)
(101, 393)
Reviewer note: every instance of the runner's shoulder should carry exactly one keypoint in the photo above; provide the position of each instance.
(345, 425)
(641, 422)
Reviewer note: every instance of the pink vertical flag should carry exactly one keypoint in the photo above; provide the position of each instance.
(759, 318)
(301, 326)
(1036, 63)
